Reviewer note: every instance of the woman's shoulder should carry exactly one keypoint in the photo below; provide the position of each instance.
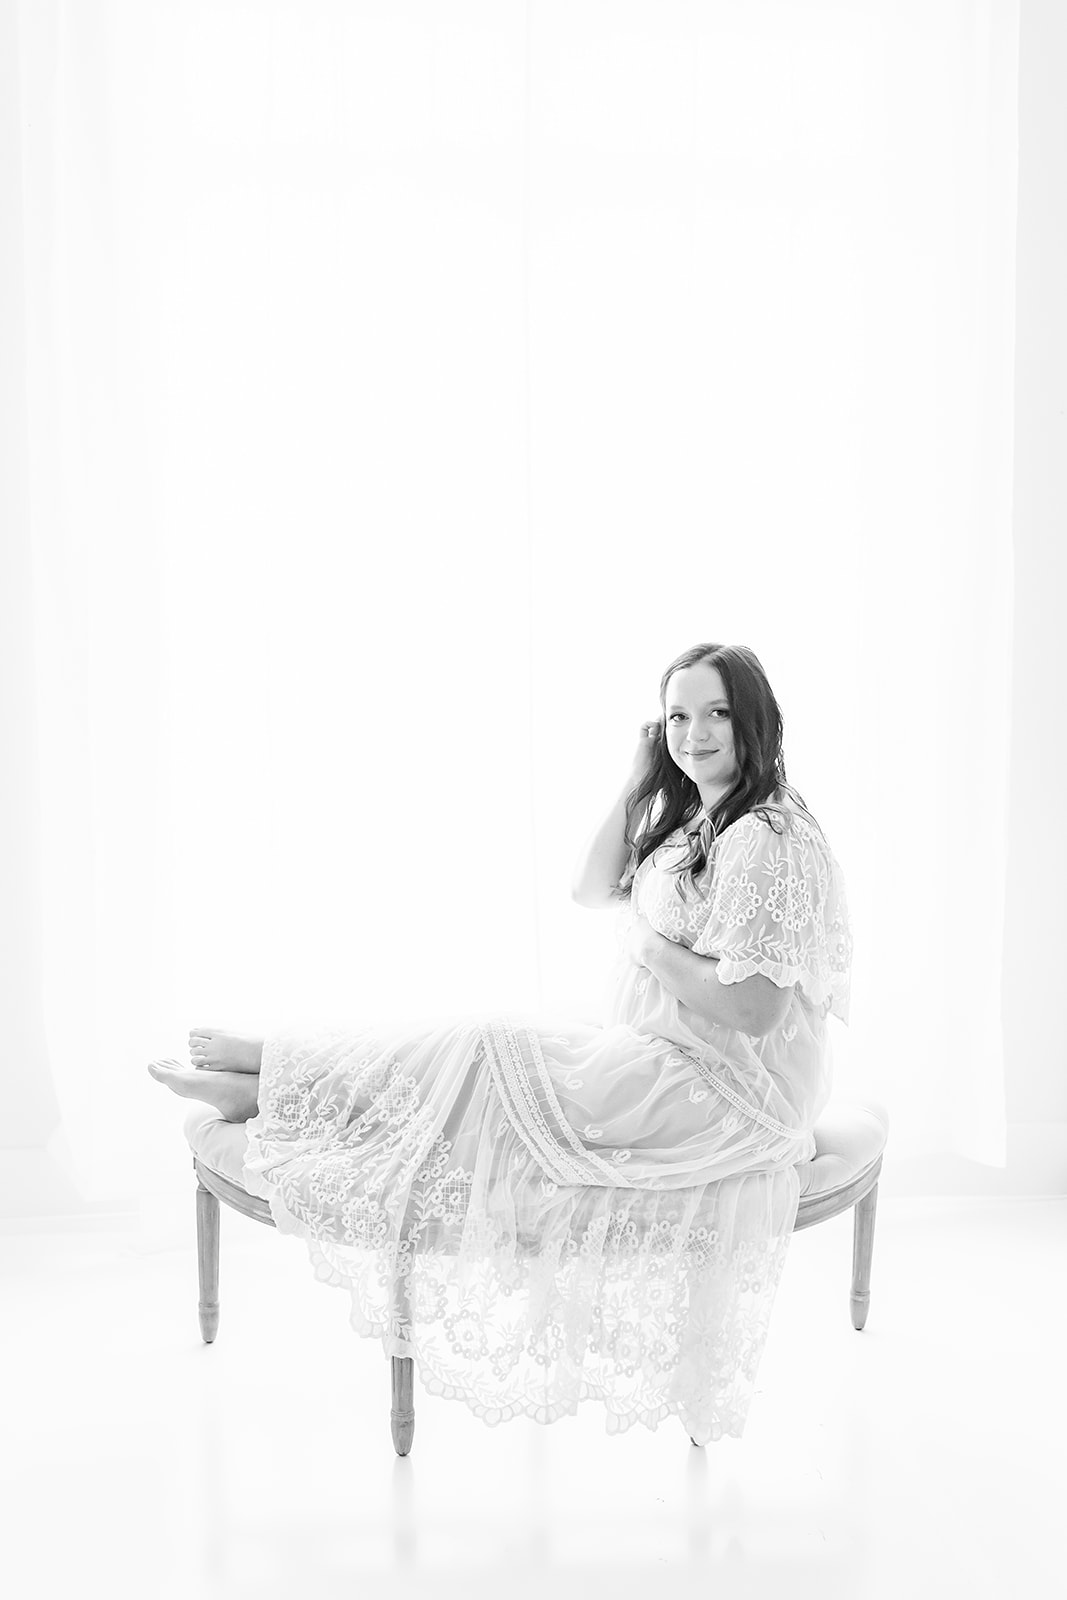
(779, 818)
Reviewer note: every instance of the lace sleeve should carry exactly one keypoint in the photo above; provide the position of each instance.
(778, 907)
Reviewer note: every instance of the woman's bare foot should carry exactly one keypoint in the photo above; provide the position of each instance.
(235, 1094)
(224, 1052)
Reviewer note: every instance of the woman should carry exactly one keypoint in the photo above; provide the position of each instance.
(544, 1213)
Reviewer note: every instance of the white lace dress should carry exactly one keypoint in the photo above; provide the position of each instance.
(545, 1213)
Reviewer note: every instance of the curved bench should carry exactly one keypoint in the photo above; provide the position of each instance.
(850, 1138)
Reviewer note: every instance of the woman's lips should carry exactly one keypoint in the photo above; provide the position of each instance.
(699, 755)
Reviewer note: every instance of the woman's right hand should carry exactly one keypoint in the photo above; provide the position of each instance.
(648, 744)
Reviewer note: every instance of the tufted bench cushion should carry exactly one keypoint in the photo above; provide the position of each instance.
(849, 1136)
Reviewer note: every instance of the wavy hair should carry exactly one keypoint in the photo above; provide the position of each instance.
(666, 799)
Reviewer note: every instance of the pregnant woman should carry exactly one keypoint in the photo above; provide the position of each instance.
(544, 1212)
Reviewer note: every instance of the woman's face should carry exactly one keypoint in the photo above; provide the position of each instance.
(699, 730)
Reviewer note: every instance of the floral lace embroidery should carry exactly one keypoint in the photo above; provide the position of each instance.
(789, 902)
(771, 903)
(737, 900)
(655, 1304)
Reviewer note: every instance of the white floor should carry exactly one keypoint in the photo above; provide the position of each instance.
(922, 1457)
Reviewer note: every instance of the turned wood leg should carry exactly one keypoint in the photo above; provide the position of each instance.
(862, 1250)
(402, 1415)
(207, 1258)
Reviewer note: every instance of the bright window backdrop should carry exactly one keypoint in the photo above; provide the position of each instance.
(404, 384)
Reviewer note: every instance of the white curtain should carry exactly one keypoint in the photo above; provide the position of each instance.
(396, 388)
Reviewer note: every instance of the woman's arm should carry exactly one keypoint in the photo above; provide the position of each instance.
(604, 858)
(755, 1006)
(603, 861)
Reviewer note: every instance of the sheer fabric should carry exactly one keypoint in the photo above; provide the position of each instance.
(477, 225)
(542, 1213)
(766, 902)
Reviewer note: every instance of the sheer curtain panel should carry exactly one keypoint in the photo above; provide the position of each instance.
(391, 390)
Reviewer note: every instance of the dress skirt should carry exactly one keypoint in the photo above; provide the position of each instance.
(540, 1214)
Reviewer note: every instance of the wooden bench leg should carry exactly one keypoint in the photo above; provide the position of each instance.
(862, 1250)
(402, 1415)
(207, 1259)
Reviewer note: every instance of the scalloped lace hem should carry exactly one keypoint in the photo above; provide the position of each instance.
(648, 1417)
(691, 1412)
(510, 1293)
(832, 991)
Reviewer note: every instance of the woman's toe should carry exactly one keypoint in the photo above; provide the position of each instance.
(175, 1076)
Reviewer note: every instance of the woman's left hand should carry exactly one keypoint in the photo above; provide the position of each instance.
(640, 939)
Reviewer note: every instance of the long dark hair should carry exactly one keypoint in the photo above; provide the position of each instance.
(666, 798)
